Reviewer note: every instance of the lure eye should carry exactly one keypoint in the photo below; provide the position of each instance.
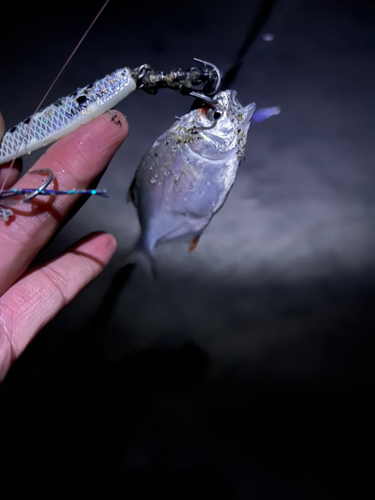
(217, 115)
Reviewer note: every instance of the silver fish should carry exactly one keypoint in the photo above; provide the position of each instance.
(186, 175)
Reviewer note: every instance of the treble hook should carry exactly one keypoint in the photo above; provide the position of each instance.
(29, 193)
(203, 97)
(46, 183)
(217, 71)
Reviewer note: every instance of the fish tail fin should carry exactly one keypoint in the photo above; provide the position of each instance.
(143, 256)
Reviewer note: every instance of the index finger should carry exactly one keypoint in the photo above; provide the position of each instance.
(76, 161)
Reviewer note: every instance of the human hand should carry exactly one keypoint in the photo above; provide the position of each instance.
(30, 298)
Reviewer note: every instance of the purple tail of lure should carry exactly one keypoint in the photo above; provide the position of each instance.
(262, 114)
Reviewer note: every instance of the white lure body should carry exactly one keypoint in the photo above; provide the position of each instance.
(66, 114)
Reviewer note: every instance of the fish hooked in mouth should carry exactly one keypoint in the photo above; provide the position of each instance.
(186, 175)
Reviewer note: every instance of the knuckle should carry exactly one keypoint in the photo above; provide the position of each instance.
(58, 283)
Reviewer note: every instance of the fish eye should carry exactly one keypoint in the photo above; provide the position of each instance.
(215, 114)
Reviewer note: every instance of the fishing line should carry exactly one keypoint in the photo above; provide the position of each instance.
(261, 17)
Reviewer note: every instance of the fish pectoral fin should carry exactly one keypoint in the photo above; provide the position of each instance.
(194, 243)
(131, 195)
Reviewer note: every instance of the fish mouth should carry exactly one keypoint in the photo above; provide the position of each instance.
(247, 113)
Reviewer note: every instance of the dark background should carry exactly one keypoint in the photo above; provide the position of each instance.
(247, 370)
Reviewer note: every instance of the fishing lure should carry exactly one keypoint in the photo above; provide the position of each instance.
(15, 196)
(70, 112)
